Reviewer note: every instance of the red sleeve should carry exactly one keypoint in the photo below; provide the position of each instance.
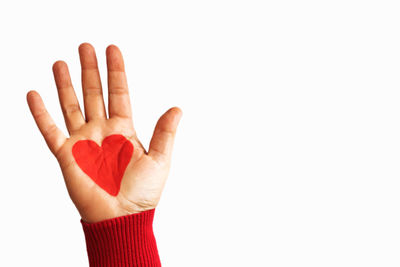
(126, 241)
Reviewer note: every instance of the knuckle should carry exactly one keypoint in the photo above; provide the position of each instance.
(165, 132)
(70, 109)
(49, 131)
(39, 115)
(122, 115)
(92, 90)
(118, 90)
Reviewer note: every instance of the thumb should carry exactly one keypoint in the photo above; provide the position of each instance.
(162, 142)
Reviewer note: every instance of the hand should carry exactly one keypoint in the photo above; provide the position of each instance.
(146, 173)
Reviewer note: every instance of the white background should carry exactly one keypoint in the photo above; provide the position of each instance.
(288, 150)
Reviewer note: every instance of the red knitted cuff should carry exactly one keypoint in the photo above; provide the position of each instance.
(126, 241)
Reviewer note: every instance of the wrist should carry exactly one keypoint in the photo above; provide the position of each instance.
(122, 241)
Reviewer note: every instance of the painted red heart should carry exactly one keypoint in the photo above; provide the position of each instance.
(105, 165)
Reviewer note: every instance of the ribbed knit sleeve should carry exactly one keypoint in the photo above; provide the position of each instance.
(126, 241)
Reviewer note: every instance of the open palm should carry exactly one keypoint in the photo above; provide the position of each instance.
(146, 173)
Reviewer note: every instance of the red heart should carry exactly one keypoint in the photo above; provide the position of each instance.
(106, 164)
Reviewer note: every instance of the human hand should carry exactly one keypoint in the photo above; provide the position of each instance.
(146, 173)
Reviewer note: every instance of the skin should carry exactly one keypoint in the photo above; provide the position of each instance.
(146, 173)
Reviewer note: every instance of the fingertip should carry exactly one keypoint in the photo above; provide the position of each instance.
(111, 48)
(85, 51)
(59, 64)
(85, 46)
(177, 110)
(114, 58)
(171, 118)
(177, 113)
(87, 56)
(164, 134)
(34, 100)
(31, 94)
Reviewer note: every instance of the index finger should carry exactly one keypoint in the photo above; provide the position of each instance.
(118, 94)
